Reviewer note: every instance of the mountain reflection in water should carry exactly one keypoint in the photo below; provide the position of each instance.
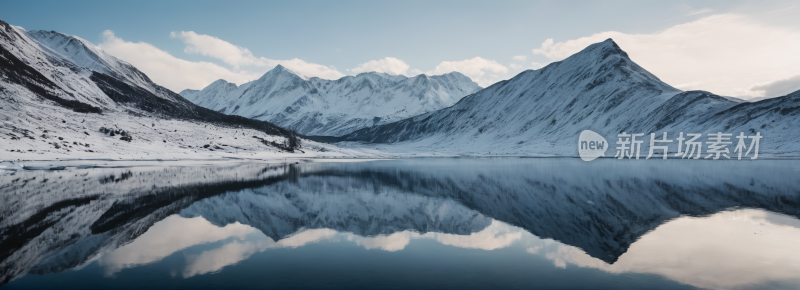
(519, 223)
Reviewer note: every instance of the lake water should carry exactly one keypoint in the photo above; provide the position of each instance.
(448, 223)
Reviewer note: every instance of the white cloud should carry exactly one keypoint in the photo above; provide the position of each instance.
(216, 259)
(217, 48)
(306, 237)
(726, 54)
(521, 58)
(308, 69)
(533, 65)
(699, 11)
(779, 88)
(498, 235)
(732, 250)
(239, 56)
(177, 74)
(236, 251)
(164, 69)
(391, 243)
(388, 65)
(165, 237)
(475, 68)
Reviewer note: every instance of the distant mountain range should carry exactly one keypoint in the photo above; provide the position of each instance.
(314, 106)
(600, 89)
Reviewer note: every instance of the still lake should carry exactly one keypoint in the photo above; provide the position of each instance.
(443, 223)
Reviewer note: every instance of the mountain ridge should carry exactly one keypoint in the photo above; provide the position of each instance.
(315, 106)
(541, 112)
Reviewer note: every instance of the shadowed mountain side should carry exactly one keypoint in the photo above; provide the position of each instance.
(179, 108)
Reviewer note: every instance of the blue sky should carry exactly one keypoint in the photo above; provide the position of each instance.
(738, 48)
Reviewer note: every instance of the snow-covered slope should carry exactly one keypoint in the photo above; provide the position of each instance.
(61, 77)
(219, 89)
(314, 106)
(601, 89)
(61, 96)
(86, 54)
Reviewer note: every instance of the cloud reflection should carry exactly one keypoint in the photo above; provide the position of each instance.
(229, 254)
(496, 236)
(240, 242)
(236, 251)
(166, 237)
(726, 250)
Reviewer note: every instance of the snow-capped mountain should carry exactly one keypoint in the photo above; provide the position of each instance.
(314, 106)
(62, 96)
(600, 89)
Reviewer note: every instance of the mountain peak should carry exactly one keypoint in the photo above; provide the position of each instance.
(606, 48)
(602, 57)
(188, 91)
(455, 73)
(56, 40)
(282, 70)
(220, 82)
